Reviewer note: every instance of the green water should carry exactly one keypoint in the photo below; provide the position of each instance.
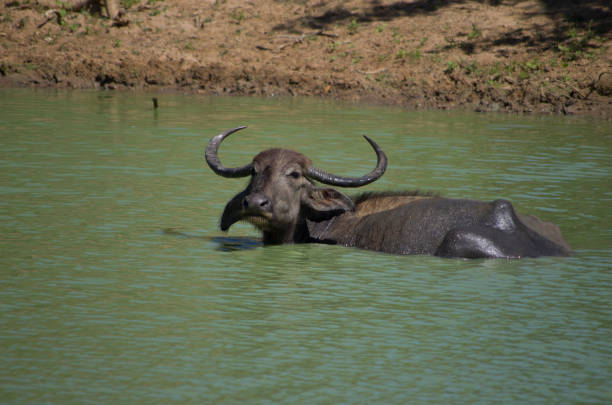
(118, 287)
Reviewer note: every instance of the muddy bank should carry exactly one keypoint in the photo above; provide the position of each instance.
(537, 56)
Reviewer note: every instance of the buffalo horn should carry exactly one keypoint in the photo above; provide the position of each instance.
(212, 157)
(340, 181)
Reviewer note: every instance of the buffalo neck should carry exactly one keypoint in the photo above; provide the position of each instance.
(294, 233)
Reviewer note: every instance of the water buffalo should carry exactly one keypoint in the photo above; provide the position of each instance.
(283, 202)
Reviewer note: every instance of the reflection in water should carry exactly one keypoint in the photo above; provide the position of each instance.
(226, 244)
(118, 285)
(236, 243)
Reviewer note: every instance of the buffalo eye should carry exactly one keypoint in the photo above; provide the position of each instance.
(294, 174)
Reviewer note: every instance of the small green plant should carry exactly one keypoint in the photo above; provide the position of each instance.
(401, 54)
(237, 16)
(382, 77)
(475, 33)
(129, 3)
(381, 28)
(511, 67)
(495, 69)
(471, 68)
(493, 83)
(415, 54)
(524, 74)
(450, 67)
(117, 43)
(204, 22)
(30, 66)
(450, 43)
(397, 36)
(22, 23)
(353, 26)
(223, 50)
(62, 16)
(533, 65)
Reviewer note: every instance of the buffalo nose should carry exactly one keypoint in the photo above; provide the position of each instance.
(256, 201)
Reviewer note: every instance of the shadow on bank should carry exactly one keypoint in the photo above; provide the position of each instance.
(592, 15)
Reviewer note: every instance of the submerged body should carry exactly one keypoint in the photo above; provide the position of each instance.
(283, 202)
(410, 224)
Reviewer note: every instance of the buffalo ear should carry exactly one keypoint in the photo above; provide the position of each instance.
(324, 203)
(233, 211)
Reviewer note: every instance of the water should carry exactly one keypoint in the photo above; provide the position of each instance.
(118, 287)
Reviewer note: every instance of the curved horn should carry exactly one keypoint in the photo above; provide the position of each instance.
(334, 180)
(212, 158)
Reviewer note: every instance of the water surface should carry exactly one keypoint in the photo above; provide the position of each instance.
(118, 287)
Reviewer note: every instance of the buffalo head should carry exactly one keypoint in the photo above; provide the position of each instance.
(281, 195)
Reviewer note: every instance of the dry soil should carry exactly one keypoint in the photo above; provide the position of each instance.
(540, 56)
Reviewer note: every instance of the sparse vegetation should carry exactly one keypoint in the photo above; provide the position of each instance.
(578, 44)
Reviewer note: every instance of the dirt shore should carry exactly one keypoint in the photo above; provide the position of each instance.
(537, 56)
